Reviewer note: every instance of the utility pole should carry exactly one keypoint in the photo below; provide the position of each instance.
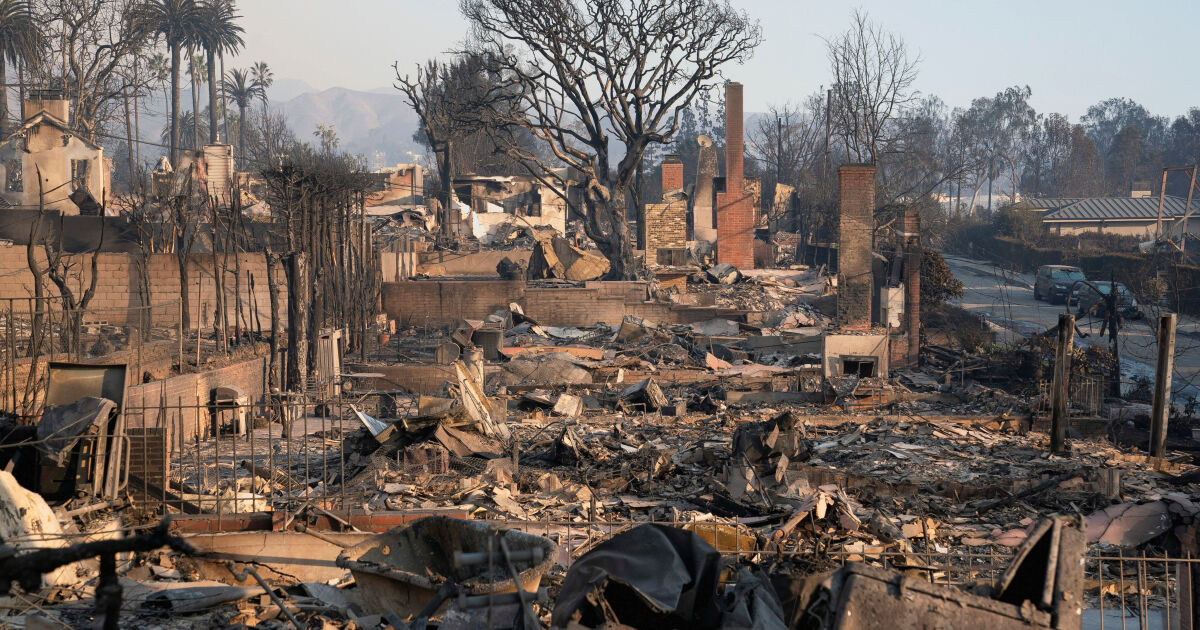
(1187, 210)
(1162, 385)
(1162, 191)
(1062, 371)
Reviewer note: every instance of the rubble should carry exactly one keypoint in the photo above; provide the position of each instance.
(555, 257)
(653, 456)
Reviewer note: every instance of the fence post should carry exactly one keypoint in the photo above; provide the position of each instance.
(1059, 392)
(1162, 385)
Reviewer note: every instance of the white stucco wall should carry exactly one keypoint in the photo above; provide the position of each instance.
(49, 149)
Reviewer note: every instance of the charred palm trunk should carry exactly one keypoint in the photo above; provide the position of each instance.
(276, 322)
(298, 314)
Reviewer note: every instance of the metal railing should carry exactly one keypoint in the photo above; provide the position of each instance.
(1085, 396)
(36, 331)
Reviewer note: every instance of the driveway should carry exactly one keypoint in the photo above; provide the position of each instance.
(1006, 299)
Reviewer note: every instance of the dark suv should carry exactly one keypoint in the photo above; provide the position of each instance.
(1054, 282)
(1084, 296)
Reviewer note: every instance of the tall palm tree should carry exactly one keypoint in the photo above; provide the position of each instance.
(219, 34)
(20, 41)
(196, 71)
(160, 72)
(176, 22)
(241, 88)
(264, 79)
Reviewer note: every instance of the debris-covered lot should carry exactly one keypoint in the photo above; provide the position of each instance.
(586, 459)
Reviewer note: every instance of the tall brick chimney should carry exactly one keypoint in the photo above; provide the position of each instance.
(856, 210)
(913, 253)
(735, 212)
(672, 174)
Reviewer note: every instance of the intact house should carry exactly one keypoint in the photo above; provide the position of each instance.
(74, 172)
(1125, 216)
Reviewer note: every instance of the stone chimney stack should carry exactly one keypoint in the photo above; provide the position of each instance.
(735, 212)
(672, 174)
(856, 211)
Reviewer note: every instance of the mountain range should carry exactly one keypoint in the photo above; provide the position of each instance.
(378, 125)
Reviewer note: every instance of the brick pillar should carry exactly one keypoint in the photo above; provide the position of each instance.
(672, 174)
(913, 252)
(856, 208)
(735, 212)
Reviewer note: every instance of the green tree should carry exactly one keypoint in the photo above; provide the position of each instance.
(197, 71)
(219, 34)
(242, 89)
(264, 78)
(938, 283)
(176, 21)
(20, 41)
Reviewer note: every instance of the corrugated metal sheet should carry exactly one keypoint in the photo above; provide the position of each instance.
(1121, 209)
(1050, 204)
(219, 160)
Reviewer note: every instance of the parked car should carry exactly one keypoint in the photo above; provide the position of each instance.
(1054, 282)
(1083, 296)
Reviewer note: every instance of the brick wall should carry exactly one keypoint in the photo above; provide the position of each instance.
(142, 402)
(444, 302)
(856, 206)
(119, 287)
(417, 378)
(735, 212)
(666, 226)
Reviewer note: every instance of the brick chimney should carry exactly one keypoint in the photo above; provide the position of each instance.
(856, 210)
(735, 212)
(672, 174)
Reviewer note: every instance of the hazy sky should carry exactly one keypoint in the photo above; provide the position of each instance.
(1072, 53)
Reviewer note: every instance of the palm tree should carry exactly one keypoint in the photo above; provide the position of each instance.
(196, 71)
(264, 78)
(176, 22)
(20, 40)
(186, 119)
(160, 73)
(219, 34)
(241, 88)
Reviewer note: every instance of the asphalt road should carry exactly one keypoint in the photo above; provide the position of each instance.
(1006, 299)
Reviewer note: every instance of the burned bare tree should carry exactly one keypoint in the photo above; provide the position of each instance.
(451, 100)
(93, 46)
(184, 214)
(589, 72)
(873, 73)
(785, 144)
(63, 271)
(317, 201)
(150, 221)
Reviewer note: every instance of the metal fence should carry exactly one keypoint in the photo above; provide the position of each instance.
(36, 331)
(1085, 396)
